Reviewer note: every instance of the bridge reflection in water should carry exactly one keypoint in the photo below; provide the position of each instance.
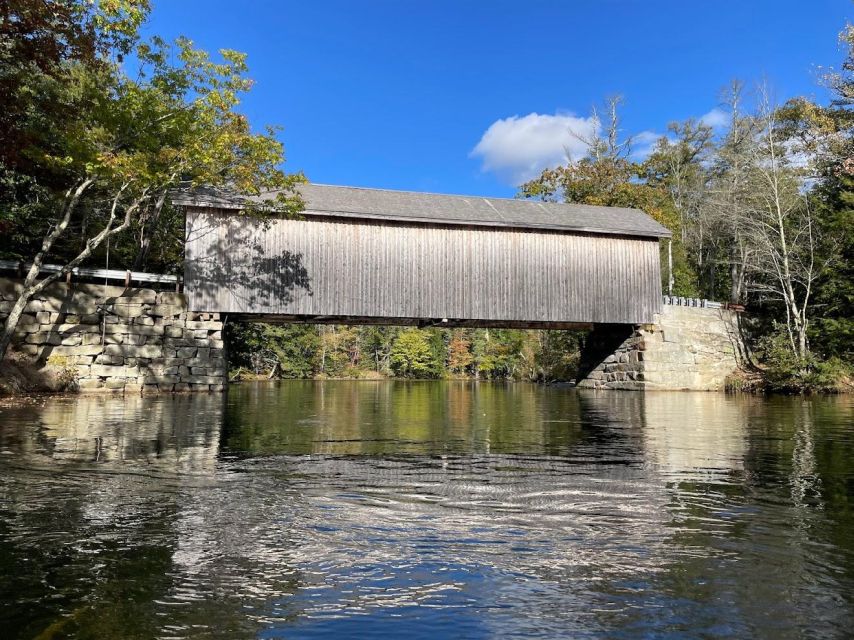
(456, 508)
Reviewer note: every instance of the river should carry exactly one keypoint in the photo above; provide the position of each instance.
(343, 509)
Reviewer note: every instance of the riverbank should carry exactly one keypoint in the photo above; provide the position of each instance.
(20, 376)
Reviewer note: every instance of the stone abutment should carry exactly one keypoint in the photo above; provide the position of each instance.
(686, 348)
(120, 339)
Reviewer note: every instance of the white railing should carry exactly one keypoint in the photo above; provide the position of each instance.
(692, 302)
(101, 274)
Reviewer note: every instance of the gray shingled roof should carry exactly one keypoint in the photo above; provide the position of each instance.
(410, 206)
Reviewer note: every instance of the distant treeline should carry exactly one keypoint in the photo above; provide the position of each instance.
(306, 351)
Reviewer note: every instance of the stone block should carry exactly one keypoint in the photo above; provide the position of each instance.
(133, 296)
(145, 330)
(81, 350)
(90, 384)
(32, 350)
(146, 351)
(160, 379)
(28, 328)
(177, 342)
(172, 298)
(143, 321)
(186, 352)
(113, 371)
(123, 310)
(166, 310)
(206, 380)
(209, 325)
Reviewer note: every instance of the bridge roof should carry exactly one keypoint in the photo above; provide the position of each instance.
(432, 208)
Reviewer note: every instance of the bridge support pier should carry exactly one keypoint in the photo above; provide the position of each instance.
(686, 348)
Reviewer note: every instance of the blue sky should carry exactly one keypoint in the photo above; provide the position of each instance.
(471, 96)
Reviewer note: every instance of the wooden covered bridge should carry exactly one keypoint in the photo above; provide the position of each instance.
(392, 257)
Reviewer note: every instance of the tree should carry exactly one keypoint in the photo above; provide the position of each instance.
(781, 228)
(608, 176)
(286, 351)
(460, 358)
(125, 141)
(497, 353)
(377, 341)
(411, 355)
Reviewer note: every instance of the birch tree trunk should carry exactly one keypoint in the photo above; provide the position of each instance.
(32, 285)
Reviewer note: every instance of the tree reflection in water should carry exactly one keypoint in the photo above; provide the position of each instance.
(441, 508)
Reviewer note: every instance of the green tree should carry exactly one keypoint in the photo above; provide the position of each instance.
(284, 351)
(124, 141)
(608, 177)
(377, 342)
(412, 356)
(497, 353)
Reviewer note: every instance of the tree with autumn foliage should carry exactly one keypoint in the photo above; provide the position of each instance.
(104, 140)
(607, 176)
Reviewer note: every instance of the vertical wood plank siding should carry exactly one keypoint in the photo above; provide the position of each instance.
(333, 267)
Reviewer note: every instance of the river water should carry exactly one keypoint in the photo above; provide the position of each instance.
(427, 510)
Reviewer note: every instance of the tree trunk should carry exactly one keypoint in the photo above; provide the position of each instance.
(12, 324)
(148, 227)
(31, 287)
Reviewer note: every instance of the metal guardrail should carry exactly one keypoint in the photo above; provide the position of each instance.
(103, 274)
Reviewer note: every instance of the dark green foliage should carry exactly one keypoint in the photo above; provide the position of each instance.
(832, 330)
(784, 372)
(288, 351)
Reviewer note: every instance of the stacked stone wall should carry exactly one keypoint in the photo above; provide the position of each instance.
(685, 348)
(118, 339)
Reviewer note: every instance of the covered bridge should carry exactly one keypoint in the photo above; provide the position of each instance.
(393, 257)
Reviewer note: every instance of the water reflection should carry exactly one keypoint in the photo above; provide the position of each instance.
(427, 509)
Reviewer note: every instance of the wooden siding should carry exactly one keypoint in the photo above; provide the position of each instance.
(366, 269)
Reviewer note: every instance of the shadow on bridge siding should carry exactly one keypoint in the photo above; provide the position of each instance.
(222, 272)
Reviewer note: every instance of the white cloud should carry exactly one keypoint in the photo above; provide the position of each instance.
(643, 144)
(716, 118)
(518, 148)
